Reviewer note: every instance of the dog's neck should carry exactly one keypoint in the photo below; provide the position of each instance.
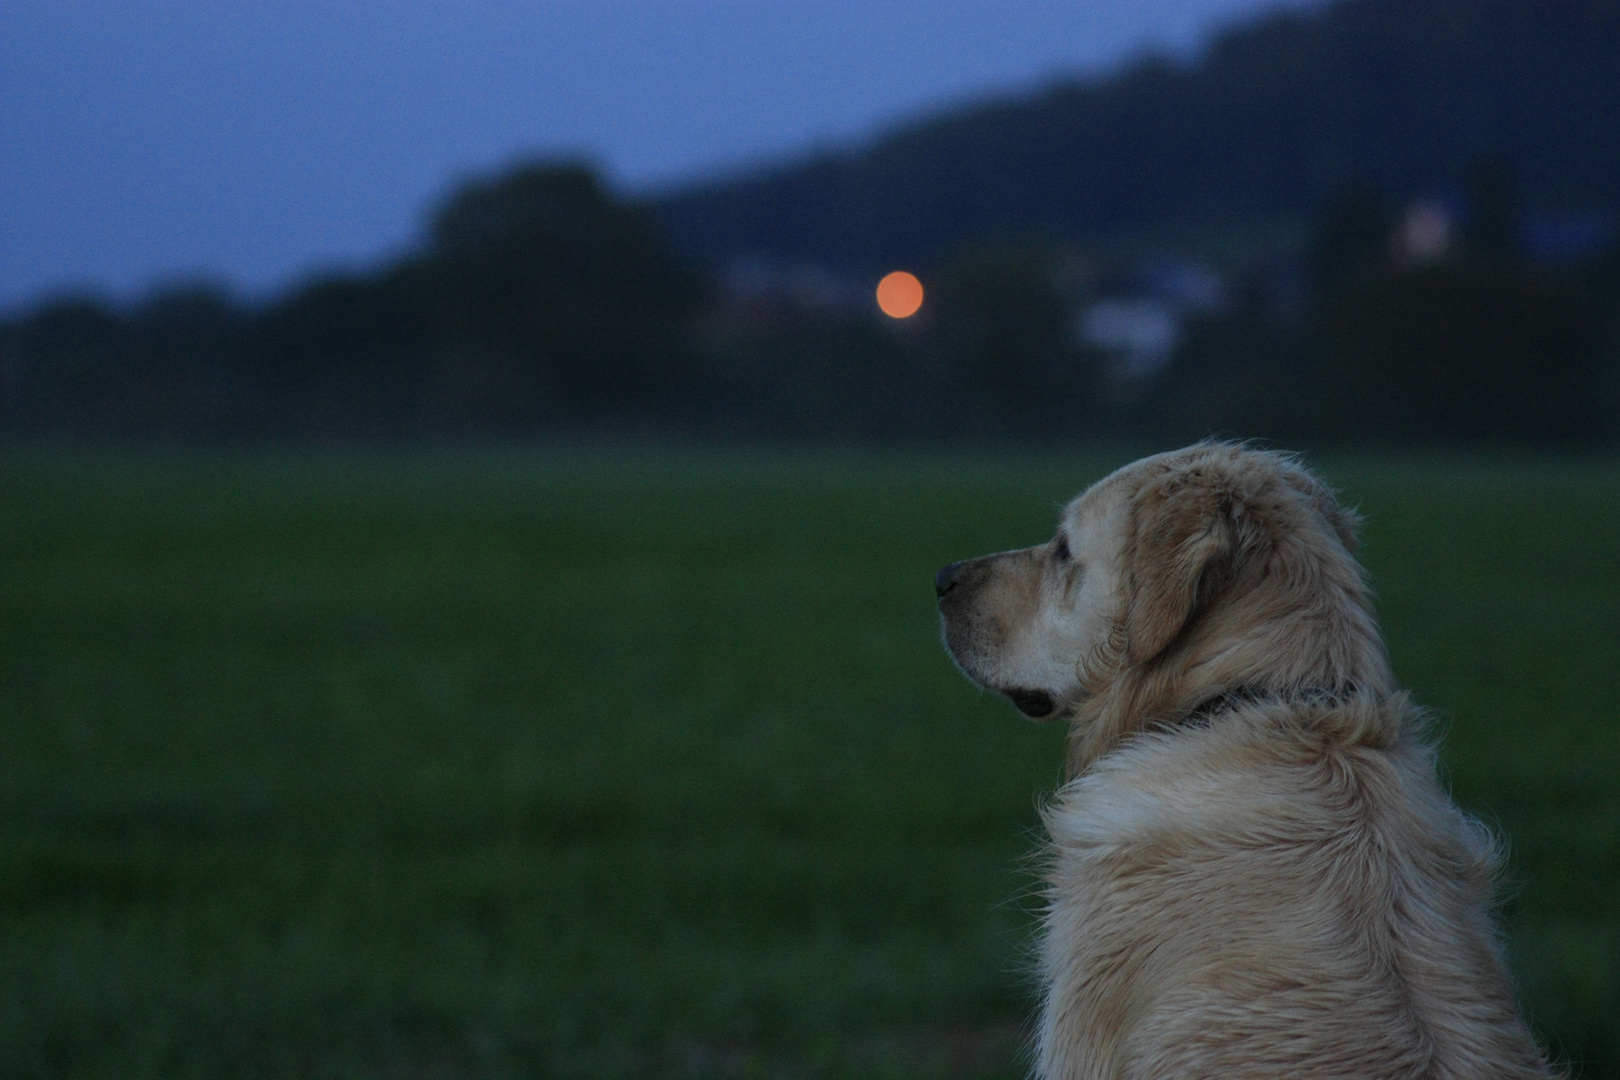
(1205, 712)
(1210, 709)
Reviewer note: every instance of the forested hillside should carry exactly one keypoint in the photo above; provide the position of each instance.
(1274, 118)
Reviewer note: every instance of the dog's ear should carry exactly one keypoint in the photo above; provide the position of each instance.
(1182, 537)
(1345, 523)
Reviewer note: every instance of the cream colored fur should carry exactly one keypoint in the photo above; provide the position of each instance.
(1254, 871)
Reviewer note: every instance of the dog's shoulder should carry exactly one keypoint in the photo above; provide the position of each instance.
(1261, 773)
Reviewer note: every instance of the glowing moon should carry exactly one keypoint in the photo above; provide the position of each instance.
(900, 295)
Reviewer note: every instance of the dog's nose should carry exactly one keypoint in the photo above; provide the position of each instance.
(945, 580)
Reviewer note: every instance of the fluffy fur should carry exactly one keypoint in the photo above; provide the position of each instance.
(1254, 870)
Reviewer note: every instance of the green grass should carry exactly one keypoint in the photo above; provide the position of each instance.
(621, 763)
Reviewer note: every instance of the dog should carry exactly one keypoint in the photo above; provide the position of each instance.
(1253, 869)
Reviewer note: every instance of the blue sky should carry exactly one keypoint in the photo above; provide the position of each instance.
(153, 141)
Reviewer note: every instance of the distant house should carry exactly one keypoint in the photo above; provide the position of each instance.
(1138, 327)
(1569, 238)
(1137, 334)
(1190, 287)
(1426, 233)
(793, 287)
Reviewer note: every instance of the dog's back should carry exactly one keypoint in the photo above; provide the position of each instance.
(1284, 890)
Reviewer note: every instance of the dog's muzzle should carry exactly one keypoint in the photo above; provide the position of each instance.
(1035, 704)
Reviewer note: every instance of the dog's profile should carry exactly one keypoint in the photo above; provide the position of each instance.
(1254, 870)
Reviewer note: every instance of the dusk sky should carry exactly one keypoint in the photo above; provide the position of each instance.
(152, 141)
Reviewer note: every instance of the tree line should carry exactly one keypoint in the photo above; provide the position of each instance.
(536, 296)
(542, 304)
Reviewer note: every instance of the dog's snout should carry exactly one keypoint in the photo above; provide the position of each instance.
(948, 578)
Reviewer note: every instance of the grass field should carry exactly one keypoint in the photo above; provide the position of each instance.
(612, 763)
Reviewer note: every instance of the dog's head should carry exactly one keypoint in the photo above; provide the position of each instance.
(1178, 576)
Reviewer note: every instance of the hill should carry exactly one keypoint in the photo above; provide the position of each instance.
(1274, 118)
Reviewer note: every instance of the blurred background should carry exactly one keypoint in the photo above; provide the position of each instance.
(469, 518)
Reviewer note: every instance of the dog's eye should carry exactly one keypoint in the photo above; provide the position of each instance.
(1062, 549)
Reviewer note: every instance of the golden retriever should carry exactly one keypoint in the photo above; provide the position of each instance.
(1254, 871)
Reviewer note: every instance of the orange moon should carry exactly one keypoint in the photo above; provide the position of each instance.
(900, 295)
